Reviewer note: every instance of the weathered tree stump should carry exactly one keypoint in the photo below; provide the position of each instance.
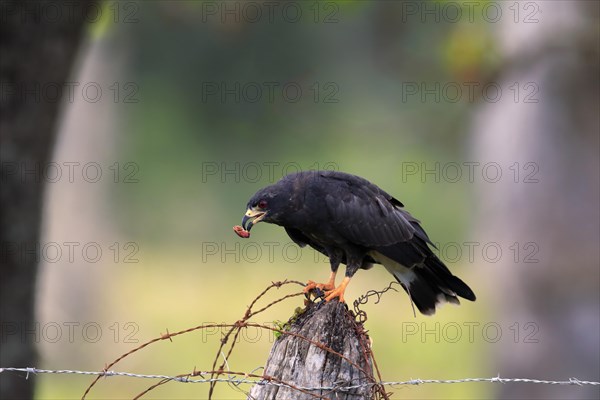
(323, 348)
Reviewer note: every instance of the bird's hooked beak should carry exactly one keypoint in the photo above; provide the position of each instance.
(252, 217)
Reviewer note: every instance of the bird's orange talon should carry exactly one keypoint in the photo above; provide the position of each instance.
(330, 285)
(332, 294)
(338, 291)
(311, 285)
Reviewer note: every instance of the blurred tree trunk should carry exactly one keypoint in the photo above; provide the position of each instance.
(38, 47)
(548, 203)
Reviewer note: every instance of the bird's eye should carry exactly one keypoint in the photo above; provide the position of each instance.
(262, 204)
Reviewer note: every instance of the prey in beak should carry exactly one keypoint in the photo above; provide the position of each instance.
(252, 217)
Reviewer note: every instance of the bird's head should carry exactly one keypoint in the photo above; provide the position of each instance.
(269, 205)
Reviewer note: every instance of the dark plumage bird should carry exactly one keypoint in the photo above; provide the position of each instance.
(353, 221)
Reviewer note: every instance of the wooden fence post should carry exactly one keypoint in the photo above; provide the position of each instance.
(323, 348)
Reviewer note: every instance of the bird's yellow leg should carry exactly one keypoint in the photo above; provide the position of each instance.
(338, 291)
(310, 285)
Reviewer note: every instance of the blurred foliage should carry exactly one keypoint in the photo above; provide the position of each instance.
(178, 130)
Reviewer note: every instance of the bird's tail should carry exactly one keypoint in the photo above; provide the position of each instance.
(434, 284)
(429, 283)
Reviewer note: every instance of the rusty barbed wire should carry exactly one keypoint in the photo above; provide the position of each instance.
(234, 330)
(267, 380)
(247, 315)
(237, 379)
(361, 315)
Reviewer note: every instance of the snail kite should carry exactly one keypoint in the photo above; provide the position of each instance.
(354, 222)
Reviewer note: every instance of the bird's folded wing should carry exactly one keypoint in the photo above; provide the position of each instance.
(366, 215)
